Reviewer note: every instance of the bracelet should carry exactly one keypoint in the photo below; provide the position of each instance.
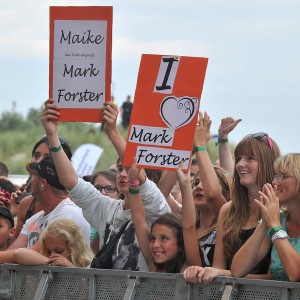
(274, 230)
(55, 149)
(221, 141)
(201, 149)
(134, 192)
(134, 183)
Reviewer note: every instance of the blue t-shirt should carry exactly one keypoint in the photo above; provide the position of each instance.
(277, 269)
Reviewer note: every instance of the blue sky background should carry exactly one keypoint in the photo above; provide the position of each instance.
(253, 49)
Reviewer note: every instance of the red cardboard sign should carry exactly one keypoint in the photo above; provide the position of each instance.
(165, 111)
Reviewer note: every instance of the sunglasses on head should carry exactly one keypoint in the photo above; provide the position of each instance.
(263, 135)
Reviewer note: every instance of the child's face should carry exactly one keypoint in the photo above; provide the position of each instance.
(163, 243)
(56, 245)
(5, 232)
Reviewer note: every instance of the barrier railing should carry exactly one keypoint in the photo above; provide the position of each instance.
(43, 282)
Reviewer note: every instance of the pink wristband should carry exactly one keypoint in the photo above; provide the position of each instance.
(135, 183)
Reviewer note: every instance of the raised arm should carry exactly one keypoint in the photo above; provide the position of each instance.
(289, 257)
(211, 186)
(188, 220)
(138, 214)
(226, 161)
(110, 115)
(65, 170)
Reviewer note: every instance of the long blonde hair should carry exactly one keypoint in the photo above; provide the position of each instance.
(80, 253)
(266, 151)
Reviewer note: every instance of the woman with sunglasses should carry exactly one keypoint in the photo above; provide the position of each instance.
(254, 159)
(280, 228)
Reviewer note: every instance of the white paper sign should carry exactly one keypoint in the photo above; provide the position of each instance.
(151, 135)
(85, 159)
(79, 63)
(162, 157)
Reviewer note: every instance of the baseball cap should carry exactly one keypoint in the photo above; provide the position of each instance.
(46, 169)
(6, 213)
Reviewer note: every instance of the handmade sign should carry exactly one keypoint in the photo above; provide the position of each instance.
(80, 60)
(165, 111)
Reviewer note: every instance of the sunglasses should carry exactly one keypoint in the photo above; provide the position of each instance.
(263, 135)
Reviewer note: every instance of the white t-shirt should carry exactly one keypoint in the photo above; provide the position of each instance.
(66, 209)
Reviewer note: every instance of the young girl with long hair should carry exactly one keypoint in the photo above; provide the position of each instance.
(280, 228)
(170, 245)
(62, 245)
(254, 159)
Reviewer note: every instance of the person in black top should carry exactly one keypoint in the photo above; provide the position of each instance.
(126, 112)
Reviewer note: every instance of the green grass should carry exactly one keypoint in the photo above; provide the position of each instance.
(16, 145)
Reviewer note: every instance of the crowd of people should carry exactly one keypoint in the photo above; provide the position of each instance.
(237, 217)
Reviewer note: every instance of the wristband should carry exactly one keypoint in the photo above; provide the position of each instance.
(274, 230)
(221, 141)
(134, 192)
(55, 149)
(133, 183)
(201, 149)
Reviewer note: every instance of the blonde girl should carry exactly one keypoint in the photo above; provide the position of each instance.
(62, 245)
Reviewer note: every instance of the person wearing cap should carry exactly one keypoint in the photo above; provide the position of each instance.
(6, 227)
(53, 198)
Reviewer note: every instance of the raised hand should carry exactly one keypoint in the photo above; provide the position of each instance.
(202, 132)
(109, 115)
(227, 125)
(49, 116)
(183, 178)
(134, 171)
(269, 206)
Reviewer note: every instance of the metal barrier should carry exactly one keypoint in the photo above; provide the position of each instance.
(43, 282)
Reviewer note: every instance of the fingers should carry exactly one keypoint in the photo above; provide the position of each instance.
(191, 274)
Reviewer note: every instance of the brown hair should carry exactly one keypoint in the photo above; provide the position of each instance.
(225, 181)
(238, 214)
(173, 221)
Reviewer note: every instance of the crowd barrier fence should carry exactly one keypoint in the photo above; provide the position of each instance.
(52, 283)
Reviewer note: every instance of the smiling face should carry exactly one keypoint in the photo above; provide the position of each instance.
(287, 188)
(287, 178)
(163, 243)
(56, 245)
(247, 169)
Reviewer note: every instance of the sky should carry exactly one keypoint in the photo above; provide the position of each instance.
(253, 47)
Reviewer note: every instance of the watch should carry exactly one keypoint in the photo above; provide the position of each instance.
(274, 230)
(281, 234)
